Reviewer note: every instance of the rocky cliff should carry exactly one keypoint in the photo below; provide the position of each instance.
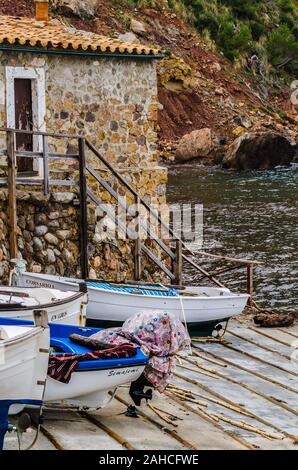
(198, 87)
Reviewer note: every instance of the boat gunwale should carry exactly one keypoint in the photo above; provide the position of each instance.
(178, 297)
(97, 369)
(22, 337)
(55, 303)
(75, 282)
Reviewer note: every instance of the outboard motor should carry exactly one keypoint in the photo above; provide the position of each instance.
(137, 393)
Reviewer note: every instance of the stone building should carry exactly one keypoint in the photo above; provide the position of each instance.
(54, 78)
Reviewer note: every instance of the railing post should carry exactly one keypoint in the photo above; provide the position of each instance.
(178, 264)
(250, 285)
(12, 193)
(45, 146)
(83, 210)
(138, 244)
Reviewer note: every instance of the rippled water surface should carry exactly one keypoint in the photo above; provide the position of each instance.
(252, 215)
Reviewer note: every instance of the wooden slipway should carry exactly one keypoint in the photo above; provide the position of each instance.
(240, 393)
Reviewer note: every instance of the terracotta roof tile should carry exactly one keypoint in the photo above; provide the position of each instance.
(27, 32)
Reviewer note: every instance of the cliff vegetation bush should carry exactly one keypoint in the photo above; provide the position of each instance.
(266, 29)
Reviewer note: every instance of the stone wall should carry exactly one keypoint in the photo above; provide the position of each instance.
(113, 102)
(48, 237)
(47, 234)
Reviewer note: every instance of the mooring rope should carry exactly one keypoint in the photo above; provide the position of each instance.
(185, 322)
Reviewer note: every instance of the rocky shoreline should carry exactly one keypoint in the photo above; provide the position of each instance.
(252, 150)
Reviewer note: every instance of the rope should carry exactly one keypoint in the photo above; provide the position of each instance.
(261, 309)
(185, 322)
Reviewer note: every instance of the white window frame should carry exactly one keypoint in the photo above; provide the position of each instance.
(37, 77)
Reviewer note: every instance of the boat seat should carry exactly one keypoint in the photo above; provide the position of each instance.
(67, 346)
(42, 295)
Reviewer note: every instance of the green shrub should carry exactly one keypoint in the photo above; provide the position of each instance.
(237, 27)
(258, 29)
(282, 47)
(234, 41)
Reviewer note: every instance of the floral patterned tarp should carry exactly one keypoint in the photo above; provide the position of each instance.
(160, 335)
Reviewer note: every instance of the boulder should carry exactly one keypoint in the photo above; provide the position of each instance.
(129, 37)
(137, 27)
(259, 151)
(82, 8)
(197, 144)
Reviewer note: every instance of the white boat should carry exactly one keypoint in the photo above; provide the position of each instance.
(24, 353)
(62, 307)
(90, 383)
(111, 304)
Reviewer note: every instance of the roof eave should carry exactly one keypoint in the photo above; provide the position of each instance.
(78, 53)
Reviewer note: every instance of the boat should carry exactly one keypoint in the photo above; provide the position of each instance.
(24, 353)
(65, 307)
(204, 309)
(91, 383)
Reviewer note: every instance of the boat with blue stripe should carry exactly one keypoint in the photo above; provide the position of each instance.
(203, 309)
(24, 354)
(93, 379)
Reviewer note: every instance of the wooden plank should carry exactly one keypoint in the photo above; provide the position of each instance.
(146, 250)
(264, 342)
(161, 426)
(195, 429)
(203, 271)
(138, 244)
(49, 134)
(139, 433)
(12, 194)
(46, 164)
(123, 204)
(178, 263)
(244, 262)
(83, 211)
(157, 262)
(53, 156)
(74, 432)
(250, 285)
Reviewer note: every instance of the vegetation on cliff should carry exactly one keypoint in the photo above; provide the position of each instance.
(198, 87)
(258, 30)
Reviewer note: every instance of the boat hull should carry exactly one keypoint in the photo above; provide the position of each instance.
(90, 383)
(203, 310)
(23, 369)
(23, 365)
(68, 311)
(91, 388)
(196, 329)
